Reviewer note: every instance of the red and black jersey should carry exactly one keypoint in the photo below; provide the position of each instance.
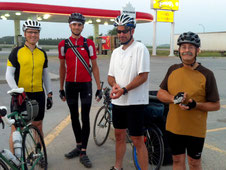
(76, 72)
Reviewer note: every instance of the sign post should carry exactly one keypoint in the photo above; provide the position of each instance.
(164, 10)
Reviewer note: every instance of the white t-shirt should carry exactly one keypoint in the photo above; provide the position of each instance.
(125, 65)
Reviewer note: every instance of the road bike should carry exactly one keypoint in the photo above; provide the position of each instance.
(33, 151)
(153, 136)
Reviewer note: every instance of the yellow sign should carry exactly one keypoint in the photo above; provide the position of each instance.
(165, 16)
(165, 4)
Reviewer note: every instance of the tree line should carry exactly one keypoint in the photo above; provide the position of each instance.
(42, 41)
(47, 41)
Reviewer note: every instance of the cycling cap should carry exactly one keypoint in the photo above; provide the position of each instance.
(189, 37)
(31, 24)
(125, 20)
(76, 17)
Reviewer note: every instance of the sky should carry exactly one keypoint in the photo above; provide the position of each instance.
(193, 15)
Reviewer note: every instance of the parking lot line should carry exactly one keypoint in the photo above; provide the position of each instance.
(56, 131)
(217, 129)
(223, 106)
(214, 148)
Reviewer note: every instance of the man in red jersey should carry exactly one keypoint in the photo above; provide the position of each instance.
(75, 54)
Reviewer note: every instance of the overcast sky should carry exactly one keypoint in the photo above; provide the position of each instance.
(193, 15)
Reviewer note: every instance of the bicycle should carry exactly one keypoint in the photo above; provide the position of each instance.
(152, 136)
(33, 152)
(103, 119)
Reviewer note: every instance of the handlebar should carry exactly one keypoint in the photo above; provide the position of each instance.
(3, 114)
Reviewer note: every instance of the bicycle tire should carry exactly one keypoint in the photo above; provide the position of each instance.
(101, 127)
(155, 148)
(135, 159)
(34, 149)
(3, 166)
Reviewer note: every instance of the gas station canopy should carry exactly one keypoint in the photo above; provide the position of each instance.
(55, 13)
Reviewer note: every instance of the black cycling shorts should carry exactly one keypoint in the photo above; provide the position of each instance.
(40, 98)
(179, 144)
(131, 117)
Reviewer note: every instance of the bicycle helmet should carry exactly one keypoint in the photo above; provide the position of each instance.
(31, 24)
(76, 17)
(125, 20)
(189, 37)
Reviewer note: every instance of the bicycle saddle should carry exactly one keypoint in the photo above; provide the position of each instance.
(16, 91)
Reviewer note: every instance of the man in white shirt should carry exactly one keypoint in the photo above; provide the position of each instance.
(128, 77)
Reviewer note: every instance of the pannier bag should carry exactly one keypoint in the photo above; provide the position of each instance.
(154, 110)
(28, 108)
(31, 111)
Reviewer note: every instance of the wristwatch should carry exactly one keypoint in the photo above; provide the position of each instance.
(125, 91)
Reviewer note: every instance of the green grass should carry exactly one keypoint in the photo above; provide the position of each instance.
(202, 54)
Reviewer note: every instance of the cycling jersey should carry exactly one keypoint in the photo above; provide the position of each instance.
(29, 67)
(76, 72)
(200, 85)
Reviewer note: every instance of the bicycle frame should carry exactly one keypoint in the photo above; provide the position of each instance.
(23, 128)
(9, 163)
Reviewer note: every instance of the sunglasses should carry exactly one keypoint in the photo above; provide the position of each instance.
(122, 31)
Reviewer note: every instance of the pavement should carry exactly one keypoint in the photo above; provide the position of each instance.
(59, 137)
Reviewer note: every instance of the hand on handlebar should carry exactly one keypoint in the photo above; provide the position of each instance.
(98, 95)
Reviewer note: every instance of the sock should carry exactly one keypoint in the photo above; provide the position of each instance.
(79, 147)
(83, 153)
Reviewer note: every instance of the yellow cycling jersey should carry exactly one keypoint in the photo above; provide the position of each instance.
(29, 67)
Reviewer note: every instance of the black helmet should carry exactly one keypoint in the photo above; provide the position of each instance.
(76, 17)
(189, 37)
(125, 20)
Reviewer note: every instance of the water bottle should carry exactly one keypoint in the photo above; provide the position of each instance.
(17, 143)
(10, 157)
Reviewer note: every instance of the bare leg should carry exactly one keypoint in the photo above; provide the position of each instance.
(120, 137)
(38, 124)
(11, 138)
(142, 153)
(179, 162)
(194, 164)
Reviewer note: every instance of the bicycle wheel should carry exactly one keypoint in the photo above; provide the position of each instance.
(3, 166)
(135, 159)
(155, 147)
(34, 150)
(101, 126)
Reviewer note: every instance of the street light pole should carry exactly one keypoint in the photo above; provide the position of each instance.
(202, 27)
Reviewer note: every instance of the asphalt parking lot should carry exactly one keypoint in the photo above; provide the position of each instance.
(60, 139)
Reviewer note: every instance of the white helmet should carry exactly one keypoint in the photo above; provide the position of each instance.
(125, 20)
(31, 24)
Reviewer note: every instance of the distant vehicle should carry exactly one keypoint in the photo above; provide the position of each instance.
(210, 41)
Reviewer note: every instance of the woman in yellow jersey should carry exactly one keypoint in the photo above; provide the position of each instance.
(27, 68)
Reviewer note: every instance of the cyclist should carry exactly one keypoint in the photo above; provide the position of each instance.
(191, 91)
(128, 77)
(27, 67)
(74, 56)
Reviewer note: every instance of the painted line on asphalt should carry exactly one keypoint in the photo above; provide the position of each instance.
(215, 130)
(56, 131)
(211, 147)
(59, 128)
(223, 106)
